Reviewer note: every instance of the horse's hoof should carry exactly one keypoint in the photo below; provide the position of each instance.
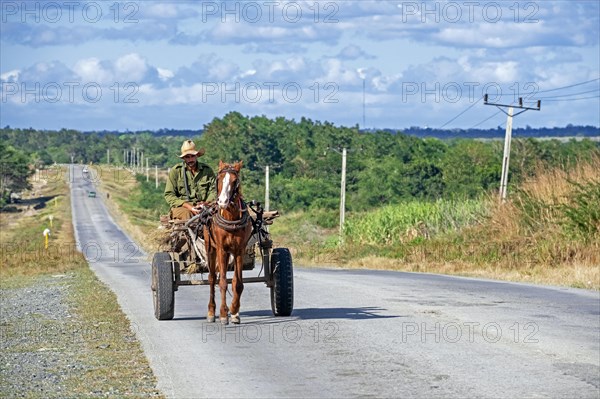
(210, 319)
(224, 320)
(235, 318)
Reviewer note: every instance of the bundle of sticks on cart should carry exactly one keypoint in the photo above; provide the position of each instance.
(185, 237)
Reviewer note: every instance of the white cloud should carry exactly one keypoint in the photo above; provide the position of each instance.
(383, 83)
(223, 71)
(10, 76)
(130, 68)
(92, 70)
(164, 74)
(487, 35)
(248, 73)
(353, 52)
(338, 73)
(294, 68)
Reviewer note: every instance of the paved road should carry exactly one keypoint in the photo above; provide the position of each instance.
(355, 333)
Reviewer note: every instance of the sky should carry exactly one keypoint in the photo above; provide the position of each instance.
(127, 65)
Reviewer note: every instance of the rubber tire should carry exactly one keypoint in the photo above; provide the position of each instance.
(162, 281)
(282, 291)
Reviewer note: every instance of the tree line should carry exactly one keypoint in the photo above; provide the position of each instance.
(383, 167)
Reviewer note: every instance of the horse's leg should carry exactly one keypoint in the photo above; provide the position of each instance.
(212, 279)
(237, 286)
(222, 257)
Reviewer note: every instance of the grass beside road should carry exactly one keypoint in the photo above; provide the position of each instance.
(89, 348)
(548, 232)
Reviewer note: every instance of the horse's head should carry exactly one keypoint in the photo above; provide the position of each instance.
(228, 183)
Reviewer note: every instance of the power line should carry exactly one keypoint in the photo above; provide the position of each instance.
(485, 120)
(555, 98)
(549, 98)
(568, 87)
(572, 94)
(468, 108)
(549, 90)
(573, 99)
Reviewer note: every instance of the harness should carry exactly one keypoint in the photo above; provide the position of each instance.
(232, 225)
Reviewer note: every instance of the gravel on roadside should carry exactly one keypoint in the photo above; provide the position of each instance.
(44, 346)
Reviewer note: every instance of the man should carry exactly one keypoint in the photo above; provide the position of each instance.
(190, 185)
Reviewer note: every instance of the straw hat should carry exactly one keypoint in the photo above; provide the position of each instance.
(189, 148)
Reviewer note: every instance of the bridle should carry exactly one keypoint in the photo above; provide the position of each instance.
(218, 219)
(236, 188)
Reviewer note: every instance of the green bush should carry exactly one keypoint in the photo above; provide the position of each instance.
(581, 214)
(151, 198)
(410, 220)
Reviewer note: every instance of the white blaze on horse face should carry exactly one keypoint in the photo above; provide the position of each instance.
(223, 200)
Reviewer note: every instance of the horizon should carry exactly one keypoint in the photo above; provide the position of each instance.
(395, 130)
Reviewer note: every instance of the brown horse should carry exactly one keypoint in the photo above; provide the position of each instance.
(227, 234)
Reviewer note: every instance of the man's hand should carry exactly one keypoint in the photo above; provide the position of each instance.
(191, 208)
(200, 206)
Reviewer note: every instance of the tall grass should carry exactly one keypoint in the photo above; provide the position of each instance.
(553, 218)
(557, 202)
(582, 211)
(548, 231)
(412, 220)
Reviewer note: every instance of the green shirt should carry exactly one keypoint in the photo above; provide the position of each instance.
(201, 186)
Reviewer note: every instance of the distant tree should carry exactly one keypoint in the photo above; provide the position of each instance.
(43, 159)
(14, 171)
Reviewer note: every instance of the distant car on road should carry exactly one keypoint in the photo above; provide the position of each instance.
(92, 194)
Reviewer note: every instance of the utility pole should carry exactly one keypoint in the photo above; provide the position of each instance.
(506, 155)
(342, 189)
(364, 107)
(267, 203)
(267, 188)
(343, 193)
(71, 175)
(508, 137)
(108, 156)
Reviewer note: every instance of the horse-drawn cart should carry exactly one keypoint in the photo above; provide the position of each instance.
(186, 262)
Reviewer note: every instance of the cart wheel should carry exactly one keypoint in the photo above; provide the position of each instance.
(282, 291)
(162, 286)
